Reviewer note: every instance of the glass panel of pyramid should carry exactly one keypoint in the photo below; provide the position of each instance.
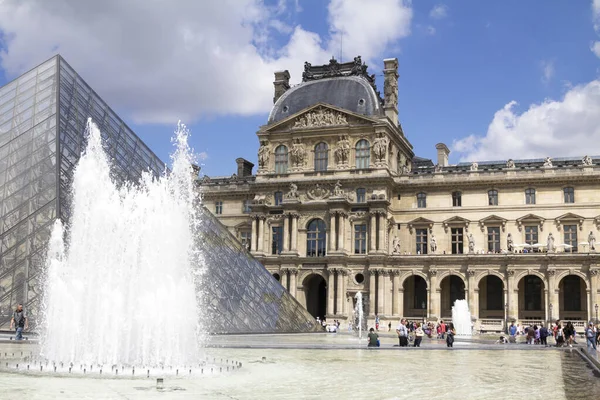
(43, 115)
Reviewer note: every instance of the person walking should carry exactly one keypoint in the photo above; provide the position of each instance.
(377, 322)
(544, 336)
(19, 322)
(418, 335)
(450, 335)
(559, 335)
(590, 335)
(402, 332)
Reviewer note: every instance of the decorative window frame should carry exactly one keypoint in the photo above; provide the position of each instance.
(493, 220)
(530, 219)
(569, 219)
(456, 222)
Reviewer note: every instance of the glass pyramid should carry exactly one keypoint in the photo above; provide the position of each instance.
(43, 115)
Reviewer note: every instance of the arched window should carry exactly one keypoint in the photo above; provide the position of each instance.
(281, 159)
(361, 195)
(363, 154)
(315, 238)
(321, 157)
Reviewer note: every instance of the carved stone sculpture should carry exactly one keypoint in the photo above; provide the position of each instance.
(550, 243)
(474, 166)
(471, 243)
(592, 241)
(547, 162)
(320, 117)
(298, 154)
(438, 168)
(432, 243)
(342, 151)
(390, 90)
(307, 74)
(317, 193)
(510, 163)
(263, 155)
(405, 170)
(396, 246)
(380, 145)
(510, 245)
(587, 161)
(337, 190)
(293, 193)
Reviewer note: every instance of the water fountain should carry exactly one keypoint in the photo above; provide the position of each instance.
(121, 288)
(359, 313)
(461, 318)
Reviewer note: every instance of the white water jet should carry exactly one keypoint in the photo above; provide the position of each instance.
(122, 290)
(461, 318)
(359, 313)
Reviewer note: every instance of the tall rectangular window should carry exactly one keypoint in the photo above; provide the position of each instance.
(321, 155)
(281, 159)
(246, 239)
(457, 240)
(421, 200)
(456, 199)
(530, 196)
(360, 239)
(246, 207)
(492, 197)
(277, 242)
(569, 194)
(570, 237)
(531, 235)
(421, 235)
(493, 239)
(361, 195)
(278, 198)
(218, 207)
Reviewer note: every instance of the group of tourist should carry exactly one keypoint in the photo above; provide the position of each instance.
(564, 336)
(414, 332)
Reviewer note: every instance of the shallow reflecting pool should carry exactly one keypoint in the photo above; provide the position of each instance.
(467, 372)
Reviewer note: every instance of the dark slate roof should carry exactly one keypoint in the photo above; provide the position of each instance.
(352, 93)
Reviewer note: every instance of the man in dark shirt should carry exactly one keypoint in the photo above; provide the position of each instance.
(373, 338)
(19, 322)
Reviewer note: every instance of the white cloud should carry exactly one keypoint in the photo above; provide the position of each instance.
(547, 70)
(160, 63)
(440, 11)
(566, 127)
(595, 47)
(596, 14)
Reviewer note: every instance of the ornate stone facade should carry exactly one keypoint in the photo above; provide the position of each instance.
(352, 209)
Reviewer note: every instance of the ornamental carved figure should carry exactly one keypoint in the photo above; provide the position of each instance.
(433, 243)
(263, 155)
(587, 161)
(342, 150)
(320, 117)
(396, 246)
(510, 163)
(548, 162)
(592, 240)
(380, 145)
(471, 243)
(550, 243)
(510, 245)
(317, 193)
(474, 166)
(438, 168)
(293, 192)
(337, 190)
(298, 153)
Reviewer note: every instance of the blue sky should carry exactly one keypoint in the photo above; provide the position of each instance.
(460, 64)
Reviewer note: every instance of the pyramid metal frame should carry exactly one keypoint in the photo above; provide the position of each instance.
(43, 114)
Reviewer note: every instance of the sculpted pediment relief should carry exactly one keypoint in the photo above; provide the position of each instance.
(531, 219)
(492, 220)
(319, 116)
(570, 218)
(419, 222)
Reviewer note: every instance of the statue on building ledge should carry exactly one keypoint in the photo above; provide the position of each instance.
(592, 240)
(471, 243)
(587, 161)
(263, 155)
(298, 153)
(337, 190)
(433, 243)
(396, 246)
(510, 245)
(474, 166)
(548, 162)
(510, 163)
(380, 145)
(342, 151)
(293, 193)
(550, 247)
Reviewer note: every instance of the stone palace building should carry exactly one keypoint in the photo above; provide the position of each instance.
(341, 204)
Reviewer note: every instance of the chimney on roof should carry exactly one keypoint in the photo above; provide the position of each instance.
(442, 154)
(281, 83)
(390, 89)
(244, 167)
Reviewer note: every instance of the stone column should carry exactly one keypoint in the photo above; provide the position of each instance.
(261, 232)
(546, 305)
(401, 302)
(513, 295)
(286, 232)
(372, 273)
(471, 300)
(395, 292)
(594, 299)
(332, 232)
(475, 301)
(382, 225)
(434, 300)
(553, 294)
(341, 227)
(589, 304)
(253, 235)
(293, 281)
(373, 235)
(340, 293)
(330, 291)
(344, 296)
(294, 232)
(284, 277)
(380, 291)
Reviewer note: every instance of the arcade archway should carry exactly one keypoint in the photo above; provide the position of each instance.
(315, 289)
